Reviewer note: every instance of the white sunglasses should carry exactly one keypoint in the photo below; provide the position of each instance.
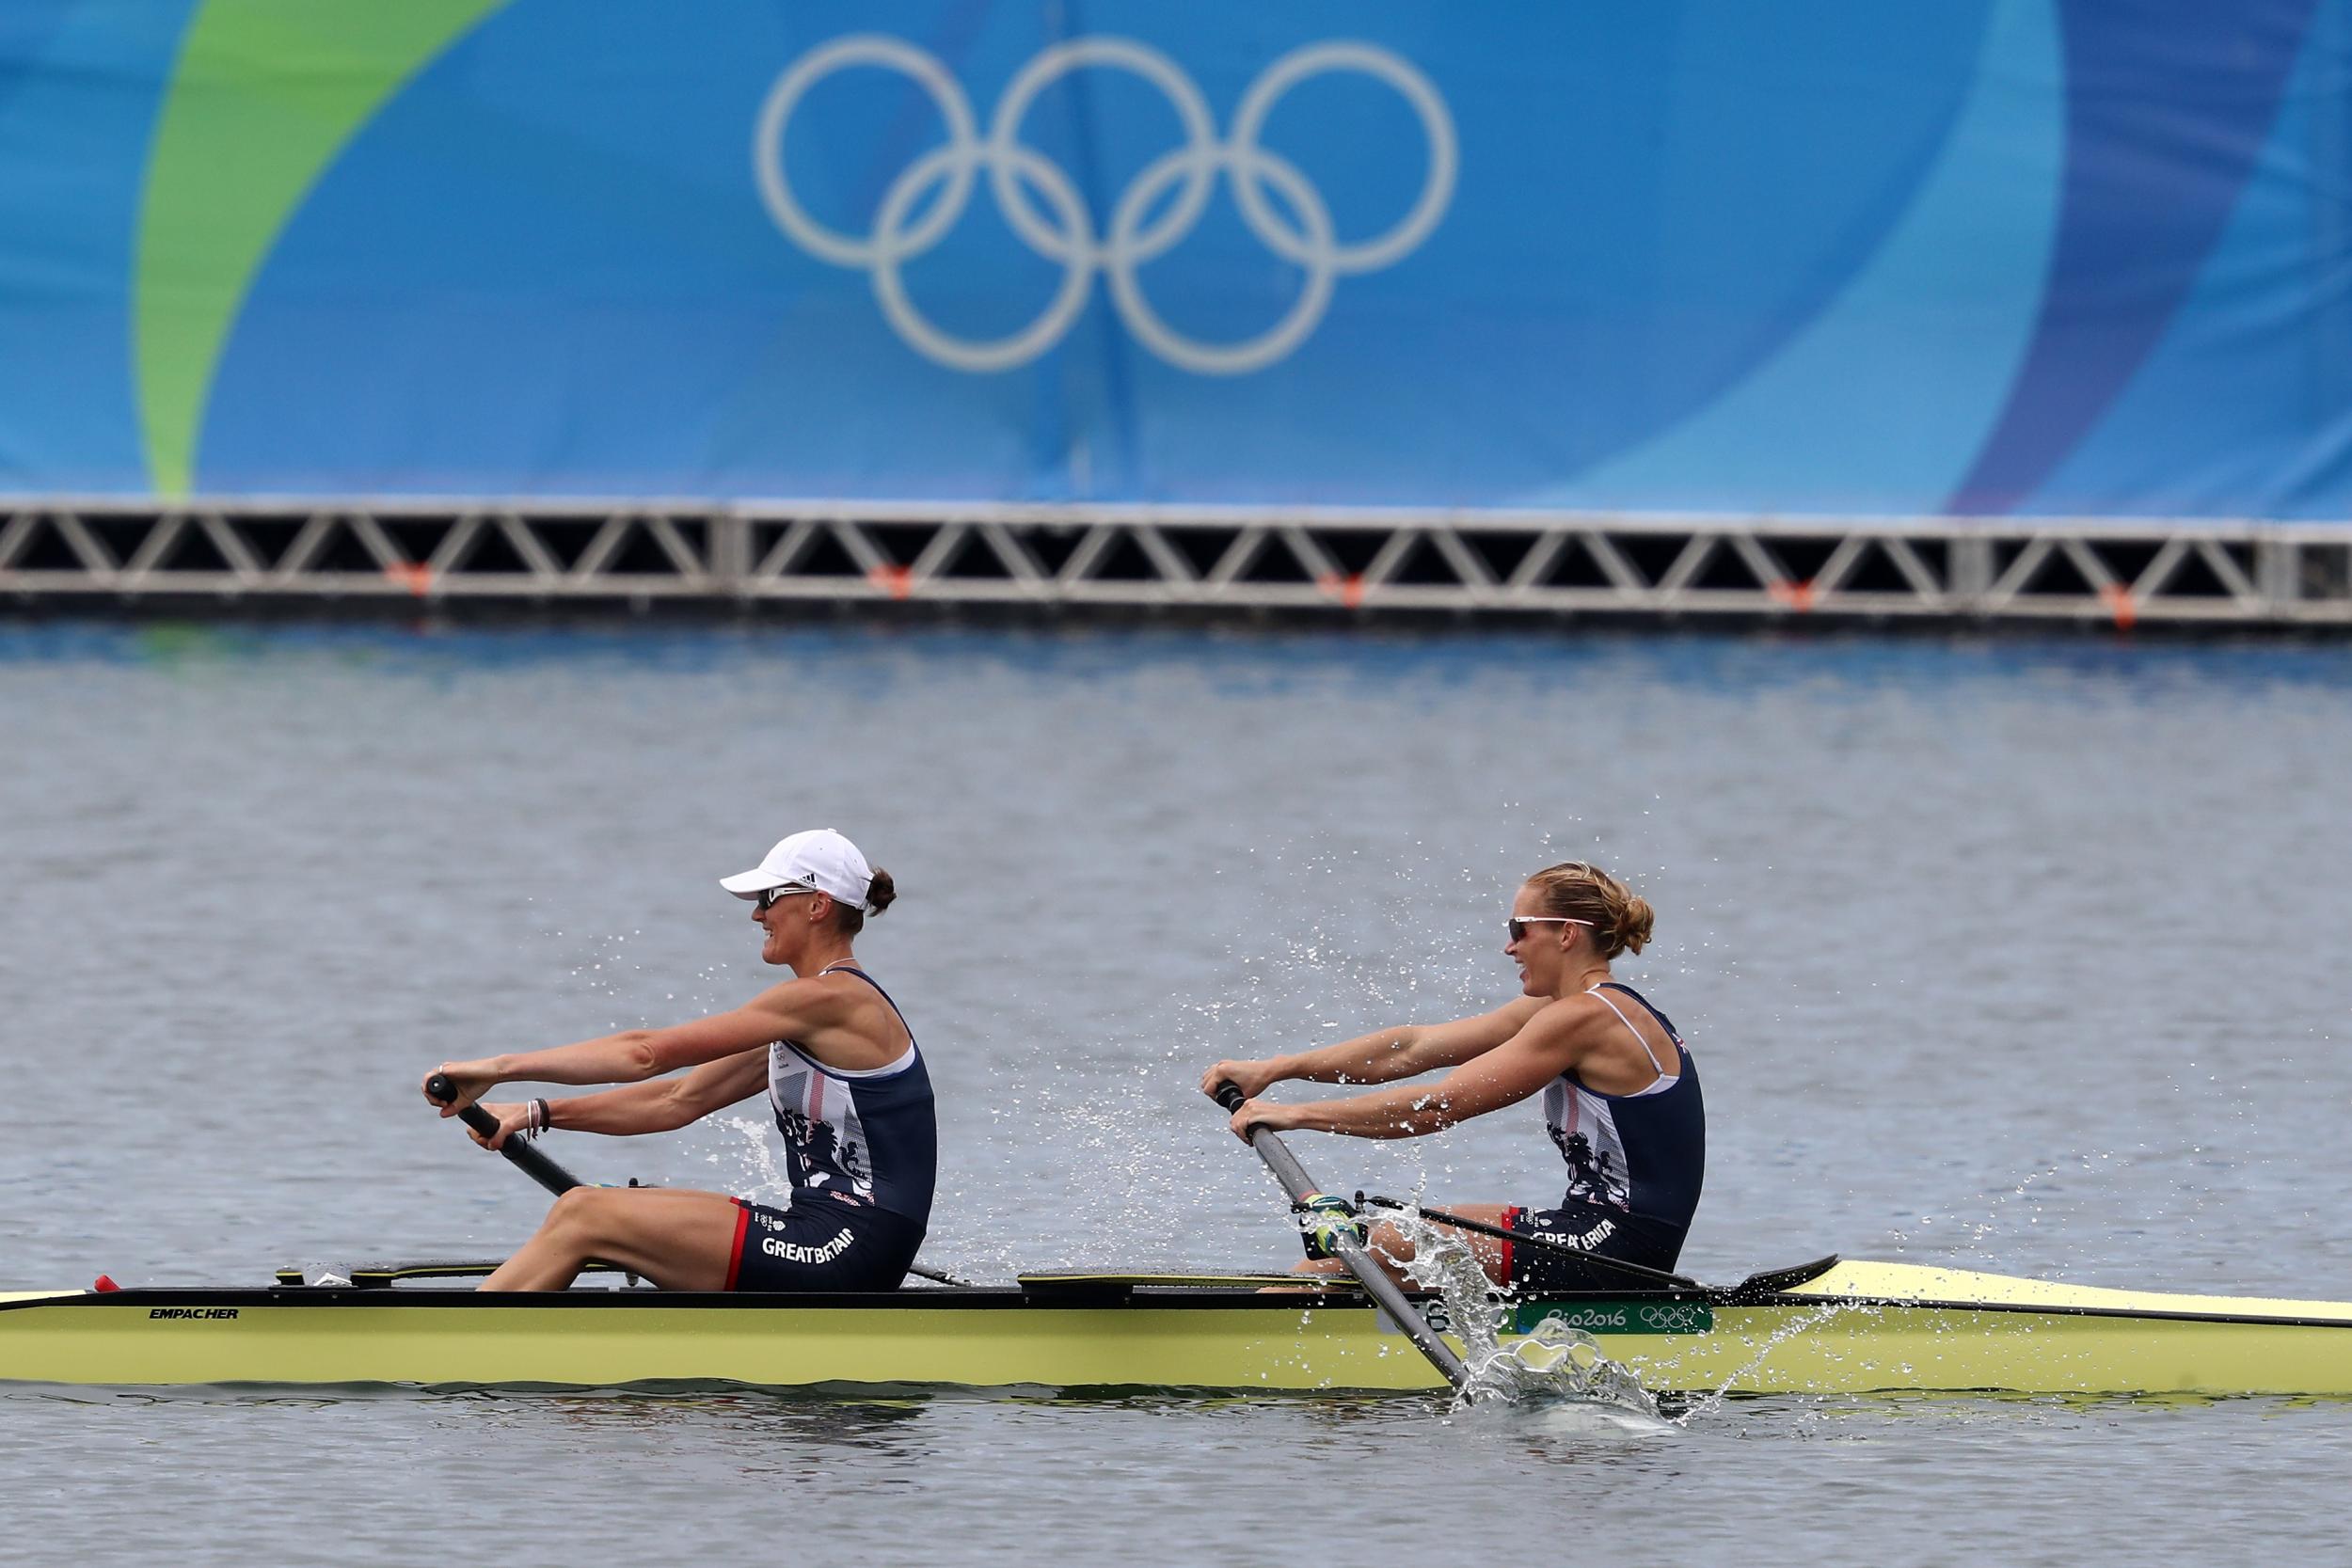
(1519, 923)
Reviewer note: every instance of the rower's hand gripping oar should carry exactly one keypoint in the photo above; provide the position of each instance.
(1342, 1240)
(524, 1158)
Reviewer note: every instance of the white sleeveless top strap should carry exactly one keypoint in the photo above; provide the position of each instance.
(1598, 994)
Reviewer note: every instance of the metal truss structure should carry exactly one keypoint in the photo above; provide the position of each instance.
(1479, 564)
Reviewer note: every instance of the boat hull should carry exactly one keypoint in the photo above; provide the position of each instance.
(1819, 1340)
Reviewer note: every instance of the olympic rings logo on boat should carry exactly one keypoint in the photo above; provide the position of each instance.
(1677, 1317)
(1306, 237)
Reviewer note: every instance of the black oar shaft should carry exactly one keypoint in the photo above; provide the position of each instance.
(524, 1158)
(1657, 1277)
(1369, 1274)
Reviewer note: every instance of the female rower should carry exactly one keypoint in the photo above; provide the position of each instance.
(1621, 1094)
(850, 1091)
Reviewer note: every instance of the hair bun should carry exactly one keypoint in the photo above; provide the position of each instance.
(1635, 922)
(1577, 889)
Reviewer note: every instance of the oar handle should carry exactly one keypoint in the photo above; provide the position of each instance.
(1369, 1274)
(524, 1158)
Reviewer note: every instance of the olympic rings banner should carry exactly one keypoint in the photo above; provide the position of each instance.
(1066, 239)
(2084, 257)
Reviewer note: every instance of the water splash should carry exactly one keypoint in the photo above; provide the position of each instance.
(1744, 1374)
(753, 1154)
(1554, 1365)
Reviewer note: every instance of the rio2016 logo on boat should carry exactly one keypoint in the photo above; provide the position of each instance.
(1306, 238)
(1616, 1316)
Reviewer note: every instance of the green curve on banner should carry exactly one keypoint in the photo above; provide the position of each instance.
(264, 96)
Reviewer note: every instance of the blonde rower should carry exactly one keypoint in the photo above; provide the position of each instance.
(1621, 1093)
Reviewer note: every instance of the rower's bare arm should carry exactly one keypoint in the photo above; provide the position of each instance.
(1435, 1045)
(1385, 1054)
(665, 1104)
(1503, 1075)
(793, 1010)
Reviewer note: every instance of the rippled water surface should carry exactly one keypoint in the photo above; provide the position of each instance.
(2010, 955)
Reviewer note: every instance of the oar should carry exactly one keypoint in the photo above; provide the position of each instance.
(1759, 1285)
(521, 1155)
(1656, 1279)
(1375, 1280)
(554, 1177)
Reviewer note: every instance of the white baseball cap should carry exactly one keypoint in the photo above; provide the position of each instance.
(818, 857)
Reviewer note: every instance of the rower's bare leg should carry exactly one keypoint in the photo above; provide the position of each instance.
(681, 1240)
(1392, 1251)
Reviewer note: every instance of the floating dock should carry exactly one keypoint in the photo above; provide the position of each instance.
(1339, 562)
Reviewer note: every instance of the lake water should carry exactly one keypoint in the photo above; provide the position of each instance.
(2008, 954)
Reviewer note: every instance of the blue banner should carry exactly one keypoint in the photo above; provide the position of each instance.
(1824, 257)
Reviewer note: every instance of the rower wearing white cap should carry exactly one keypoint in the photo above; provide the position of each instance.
(842, 1073)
